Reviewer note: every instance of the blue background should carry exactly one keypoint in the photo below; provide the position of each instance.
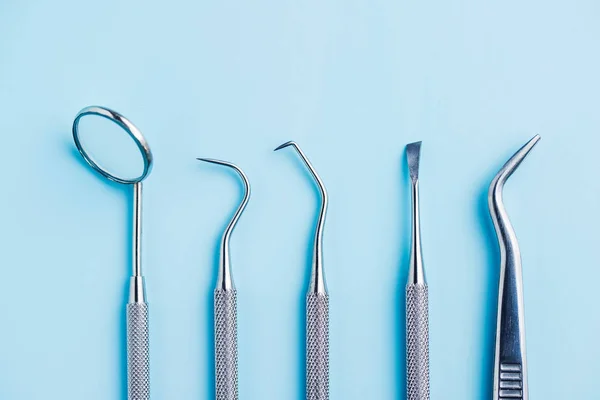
(352, 82)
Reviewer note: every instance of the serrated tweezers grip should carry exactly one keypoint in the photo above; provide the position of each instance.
(226, 346)
(317, 346)
(417, 342)
(138, 356)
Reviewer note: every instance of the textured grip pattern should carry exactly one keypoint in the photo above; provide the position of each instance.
(417, 342)
(511, 382)
(317, 347)
(138, 356)
(226, 348)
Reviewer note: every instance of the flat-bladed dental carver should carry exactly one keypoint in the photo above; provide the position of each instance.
(510, 362)
(225, 305)
(317, 304)
(417, 298)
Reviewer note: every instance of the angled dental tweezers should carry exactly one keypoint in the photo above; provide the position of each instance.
(510, 362)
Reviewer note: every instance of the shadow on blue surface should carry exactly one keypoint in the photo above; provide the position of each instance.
(492, 276)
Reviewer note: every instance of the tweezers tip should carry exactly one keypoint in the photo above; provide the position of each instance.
(536, 138)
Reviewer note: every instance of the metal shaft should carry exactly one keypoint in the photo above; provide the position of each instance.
(138, 343)
(136, 289)
(137, 229)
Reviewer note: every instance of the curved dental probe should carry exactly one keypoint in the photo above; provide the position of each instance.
(225, 305)
(317, 303)
(510, 362)
(225, 280)
(317, 283)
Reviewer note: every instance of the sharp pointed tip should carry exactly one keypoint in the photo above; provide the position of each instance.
(286, 144)
(230, 165)
(213, 161)
(509, 167)
(531, 144)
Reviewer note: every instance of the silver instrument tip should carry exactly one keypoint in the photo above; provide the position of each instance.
(533, 141)
(224, 279)
(317, 283)
(510, 167)
(286, 144)
(213, 161)
(413, 154)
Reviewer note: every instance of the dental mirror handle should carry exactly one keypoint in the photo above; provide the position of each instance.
(226, 344)
(138, 352)
(317, 346)
(417, 342)
(138, 356)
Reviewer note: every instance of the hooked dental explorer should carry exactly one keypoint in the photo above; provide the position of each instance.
(225, 305)
(317, 304)
(510, 362)
(417, 298)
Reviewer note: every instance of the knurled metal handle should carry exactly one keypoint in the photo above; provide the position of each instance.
(317, 346)
(417, 342)
(226, 347)
(138, 356)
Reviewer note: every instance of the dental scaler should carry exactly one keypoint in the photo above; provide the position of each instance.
(317, 304)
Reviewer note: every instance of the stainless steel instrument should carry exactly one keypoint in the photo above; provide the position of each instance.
(510, 362)
(317, 304)
(417, 298)
(225, 306)
(138, 360)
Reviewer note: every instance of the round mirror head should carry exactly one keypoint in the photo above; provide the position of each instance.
(112, 145)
